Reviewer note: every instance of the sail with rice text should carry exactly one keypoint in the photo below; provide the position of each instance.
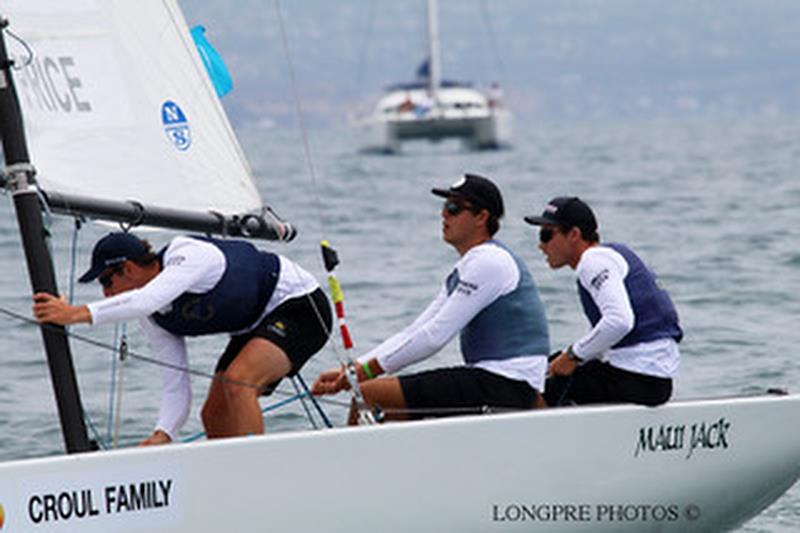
(118, 104)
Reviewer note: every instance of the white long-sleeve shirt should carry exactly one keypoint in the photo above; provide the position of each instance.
(190, 265)
(601, 271)
(486, 272)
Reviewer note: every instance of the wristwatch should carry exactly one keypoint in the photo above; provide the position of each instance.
(571, 355)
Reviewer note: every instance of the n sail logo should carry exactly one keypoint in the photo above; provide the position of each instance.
(176, 126)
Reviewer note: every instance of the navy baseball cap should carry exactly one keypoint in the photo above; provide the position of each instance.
(480, 191)
(567, 212)
(112, 250)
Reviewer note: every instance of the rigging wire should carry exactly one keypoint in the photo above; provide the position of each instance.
(319, 409)
(133, 355)
(298, 104)
(361, 62)
(104, 443)
(345, 361)
(497, 56)
(97, 437)
(302, 398)
(4, 27)
(113, 416)
(289, 397)
(493, 40)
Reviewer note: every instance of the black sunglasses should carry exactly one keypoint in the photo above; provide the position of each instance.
(546, 235)
(106, 278)
(454, 207)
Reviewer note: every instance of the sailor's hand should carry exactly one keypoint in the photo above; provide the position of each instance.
(158, 437)
(330, 382)
(55, 310)
(563, 365)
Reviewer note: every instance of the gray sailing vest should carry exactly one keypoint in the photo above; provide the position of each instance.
(513, 325)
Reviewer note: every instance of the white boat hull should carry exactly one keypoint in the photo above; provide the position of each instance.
(461, 113)
(476, 132)
(687, 466)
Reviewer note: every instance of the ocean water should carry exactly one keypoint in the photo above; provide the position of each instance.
(712, 206)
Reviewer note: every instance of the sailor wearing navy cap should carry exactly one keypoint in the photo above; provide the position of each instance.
(274, 310)
(631, 352)
(489, 299)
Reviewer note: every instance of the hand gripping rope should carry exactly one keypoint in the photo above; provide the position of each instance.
(331, 259)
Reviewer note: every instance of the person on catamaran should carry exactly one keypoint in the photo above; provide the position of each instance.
(490, 299)
(275, 312)
(631, 353)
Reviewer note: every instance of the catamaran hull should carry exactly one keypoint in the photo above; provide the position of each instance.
(687, 466)
(459, 113)
(476, 133)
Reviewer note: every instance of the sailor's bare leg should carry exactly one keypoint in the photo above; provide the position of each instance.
(232, 407)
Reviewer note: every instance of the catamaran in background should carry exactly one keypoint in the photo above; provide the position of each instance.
(103, 86)
(434, 109)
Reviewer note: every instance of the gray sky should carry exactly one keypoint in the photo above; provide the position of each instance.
(557, 59)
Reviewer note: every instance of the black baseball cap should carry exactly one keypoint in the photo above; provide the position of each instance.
(480, 191)
(567, 212)
(112, 250)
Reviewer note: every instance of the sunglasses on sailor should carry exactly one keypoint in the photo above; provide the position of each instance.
(453, 207)
(546, 234)
(107, 277)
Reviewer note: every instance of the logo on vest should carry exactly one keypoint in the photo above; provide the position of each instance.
(191, 310)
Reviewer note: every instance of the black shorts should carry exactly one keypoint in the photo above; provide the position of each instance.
(463, 390)
(299, 326)
(600, 382)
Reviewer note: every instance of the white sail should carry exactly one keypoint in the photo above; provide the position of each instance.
(118, 105)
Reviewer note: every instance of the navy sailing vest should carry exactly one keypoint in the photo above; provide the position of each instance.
(512, 326)
(235, 303)
(654, 314)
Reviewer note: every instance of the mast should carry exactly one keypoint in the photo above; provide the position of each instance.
(20, 183)
(434, 67)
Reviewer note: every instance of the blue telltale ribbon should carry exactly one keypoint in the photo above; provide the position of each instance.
(215, 66)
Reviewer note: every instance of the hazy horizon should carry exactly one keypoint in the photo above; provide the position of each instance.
(589, 59)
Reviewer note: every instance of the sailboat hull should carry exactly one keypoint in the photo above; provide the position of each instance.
(476, 132)
(686, 466)
(459, 113)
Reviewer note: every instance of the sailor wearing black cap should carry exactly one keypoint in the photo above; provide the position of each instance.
(275, 312)
(490, 299)
(631, 353)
